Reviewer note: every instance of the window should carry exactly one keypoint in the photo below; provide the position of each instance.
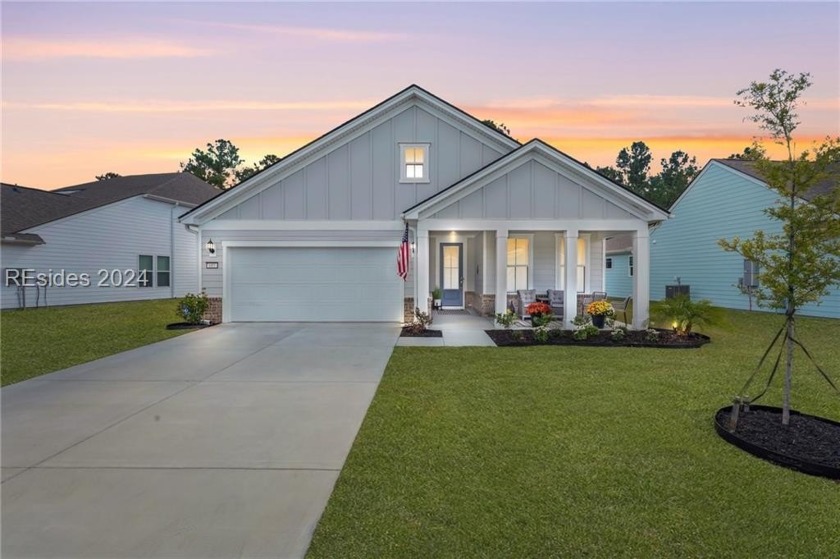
(631, 266)
(162, 271)
(146, 271)
(518, 263)
(414, 162)
(608, 263)
(582, 257)
(750, 278)
(151, 275)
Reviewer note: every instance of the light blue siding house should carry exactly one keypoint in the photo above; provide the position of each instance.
(618, 266)
(726, 200)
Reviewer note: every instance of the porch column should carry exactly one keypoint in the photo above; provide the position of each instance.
(641, 278)
(421, 271)
(501, 270)
(570, 295)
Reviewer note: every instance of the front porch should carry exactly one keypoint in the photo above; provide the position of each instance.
(482, 270)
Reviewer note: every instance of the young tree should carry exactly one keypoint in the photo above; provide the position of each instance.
(216, 165)
(800, 264)
(750, 153)
(108, 175)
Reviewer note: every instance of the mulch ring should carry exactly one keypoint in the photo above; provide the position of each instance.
(808, 443)
(409, 332)
(186, 326)
(633, 338)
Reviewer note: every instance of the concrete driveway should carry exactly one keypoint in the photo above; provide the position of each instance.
(224, 442)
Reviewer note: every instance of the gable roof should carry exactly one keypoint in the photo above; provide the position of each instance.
(634, 203)
(747, 167)
(24, 208)
(357, 125)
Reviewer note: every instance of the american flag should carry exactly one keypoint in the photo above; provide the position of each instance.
(403, 256)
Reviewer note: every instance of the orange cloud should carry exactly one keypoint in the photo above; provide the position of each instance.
(19, 48)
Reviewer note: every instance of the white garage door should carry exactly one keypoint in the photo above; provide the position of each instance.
(314, 285)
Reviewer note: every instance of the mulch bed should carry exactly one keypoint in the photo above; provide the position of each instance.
(809, 444)
(634, 338)
(186, 326)
(407, 332)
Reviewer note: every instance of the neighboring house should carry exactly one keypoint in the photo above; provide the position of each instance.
(726, 199)
(122, 233)
(618, 266)
(315, 236)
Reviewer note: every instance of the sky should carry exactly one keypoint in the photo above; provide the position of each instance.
(135, 87)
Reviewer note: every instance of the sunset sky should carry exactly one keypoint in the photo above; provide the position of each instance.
(135, 87)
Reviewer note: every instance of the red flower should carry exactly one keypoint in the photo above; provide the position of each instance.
(538, 309)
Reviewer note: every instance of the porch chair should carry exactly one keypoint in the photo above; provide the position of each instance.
(583, 302)
(526, 297)
(556, 302)
(621, 306)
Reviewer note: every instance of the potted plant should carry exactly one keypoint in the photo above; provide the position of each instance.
(437, 294)
(540, 313)
(600, 311)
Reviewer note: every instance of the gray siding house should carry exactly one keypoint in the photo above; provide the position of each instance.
(726, 199)
(315, 236)
(121, 234)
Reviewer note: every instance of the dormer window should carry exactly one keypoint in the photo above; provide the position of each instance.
(414, 162)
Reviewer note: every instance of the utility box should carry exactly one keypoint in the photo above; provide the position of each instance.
(672, 291)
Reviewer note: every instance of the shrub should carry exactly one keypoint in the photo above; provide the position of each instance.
(619, 334)
(192, 307)
(421, 321)
(651, 335)
(585, 332)
(681, 314)
(541, 334)
(506, 319)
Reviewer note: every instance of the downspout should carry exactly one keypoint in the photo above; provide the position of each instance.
(197, 231)
(172, 250)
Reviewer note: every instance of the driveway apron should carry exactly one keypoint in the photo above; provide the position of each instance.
(225, 442)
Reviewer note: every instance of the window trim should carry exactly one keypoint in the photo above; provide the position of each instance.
(608, 263)
(530, 238)
(630, 266)
(426, 163)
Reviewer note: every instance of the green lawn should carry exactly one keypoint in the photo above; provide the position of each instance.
(38, 341)
(579, 452)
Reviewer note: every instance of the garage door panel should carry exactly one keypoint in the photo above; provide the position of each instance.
(314, 284)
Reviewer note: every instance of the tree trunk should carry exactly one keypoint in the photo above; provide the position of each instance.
(788, 368)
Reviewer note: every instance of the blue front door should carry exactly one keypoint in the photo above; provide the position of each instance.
(452, 274)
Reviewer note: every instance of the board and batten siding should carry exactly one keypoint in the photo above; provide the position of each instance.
(108, 238)
(722, 204)
(533, 191)
(359, 179)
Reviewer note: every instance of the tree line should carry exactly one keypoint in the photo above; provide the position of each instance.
(221, 165)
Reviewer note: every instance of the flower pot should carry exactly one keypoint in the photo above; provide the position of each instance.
(535, 320)
(598, 320)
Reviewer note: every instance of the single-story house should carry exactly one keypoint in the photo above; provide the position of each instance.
(111, 240)
(725, 200)
(315, 237)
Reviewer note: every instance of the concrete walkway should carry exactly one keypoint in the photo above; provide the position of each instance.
(459, 330)
(225, 442)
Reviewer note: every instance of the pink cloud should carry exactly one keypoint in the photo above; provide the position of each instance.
(19, 48)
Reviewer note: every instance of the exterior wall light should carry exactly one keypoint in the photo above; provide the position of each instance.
(211, 247)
